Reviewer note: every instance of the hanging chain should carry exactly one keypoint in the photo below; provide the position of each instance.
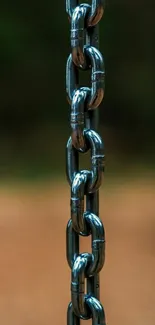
(85, 221)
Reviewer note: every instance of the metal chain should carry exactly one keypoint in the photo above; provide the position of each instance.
(85, 221)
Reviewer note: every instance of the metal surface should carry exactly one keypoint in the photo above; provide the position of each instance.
(95, 61)
(97, 10)
(85, 184)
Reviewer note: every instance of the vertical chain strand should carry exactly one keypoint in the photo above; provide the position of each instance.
(85, 184)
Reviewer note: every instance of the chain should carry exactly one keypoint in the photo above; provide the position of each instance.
(84, 184)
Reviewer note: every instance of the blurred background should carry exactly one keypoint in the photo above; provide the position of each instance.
(34, 194)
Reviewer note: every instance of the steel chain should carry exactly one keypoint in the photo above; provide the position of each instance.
(85, 184)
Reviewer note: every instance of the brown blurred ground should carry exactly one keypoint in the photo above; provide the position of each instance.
(34, 275)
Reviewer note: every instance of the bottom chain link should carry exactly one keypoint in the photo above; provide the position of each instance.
(96, 313)
(85, 267)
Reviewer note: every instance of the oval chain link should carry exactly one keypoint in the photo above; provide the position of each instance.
(96, 62)
(95, 144)
(97, 10)
(85, 184)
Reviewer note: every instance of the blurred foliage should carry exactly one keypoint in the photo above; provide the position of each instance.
(34, 114)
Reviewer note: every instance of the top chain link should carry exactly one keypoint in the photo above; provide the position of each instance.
(97, 10)
(84, 202)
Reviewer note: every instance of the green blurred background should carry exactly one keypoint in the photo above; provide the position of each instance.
(34, 113)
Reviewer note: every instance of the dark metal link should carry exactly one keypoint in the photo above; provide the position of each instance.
(78, 285)
(72, 78)
(95, 226)
(71, 5)
(78, 190)
(93, 286)
(96, 309)
(97, 10)
(97, 76)
(79, 34)
(78, 118)
(95, 59)
(72, 244)
(82, 35)
(98, 243)
(98, 315)
(95, 143)
(72, 161)
(72, 319)
(78, 290)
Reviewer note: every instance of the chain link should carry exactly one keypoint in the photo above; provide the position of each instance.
(85, 184)
(97, 10)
